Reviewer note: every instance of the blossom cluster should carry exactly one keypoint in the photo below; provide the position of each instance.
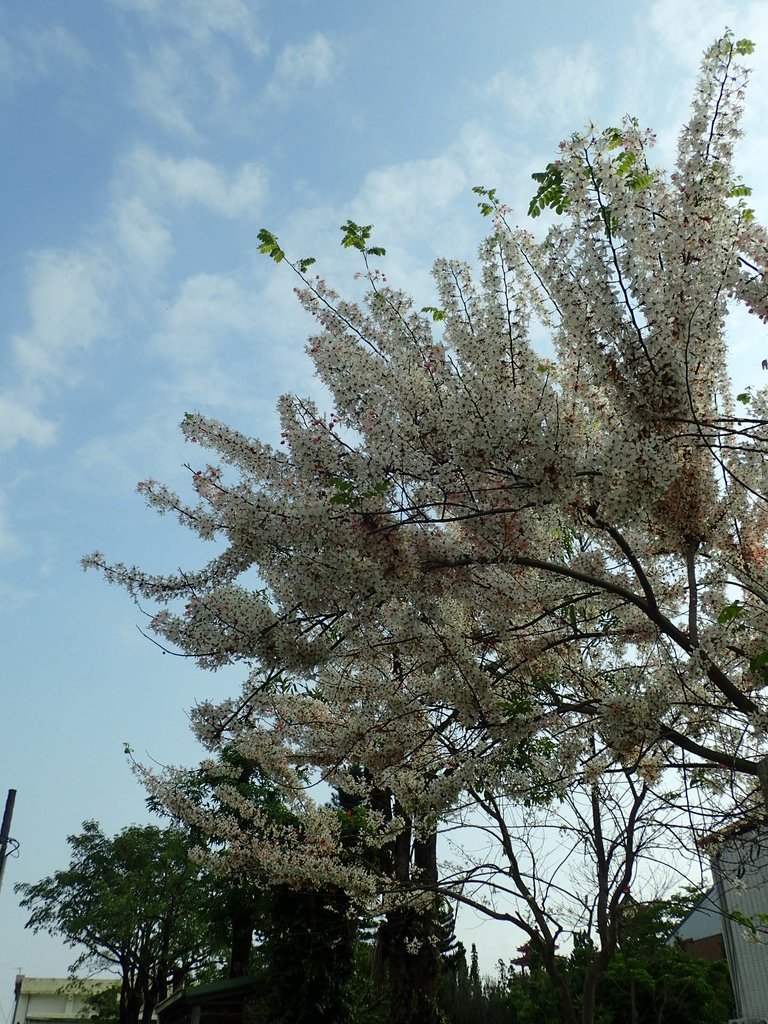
(487, 571)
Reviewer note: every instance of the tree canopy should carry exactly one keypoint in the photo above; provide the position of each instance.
(491, 574)
(134, 904)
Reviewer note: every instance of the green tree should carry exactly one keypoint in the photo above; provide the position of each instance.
(100, 1007)
(652, 980)
(133, 903)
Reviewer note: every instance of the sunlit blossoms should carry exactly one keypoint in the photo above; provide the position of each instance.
(490, 570)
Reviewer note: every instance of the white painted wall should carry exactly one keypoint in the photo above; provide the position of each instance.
(51, 1000)
(740, 870)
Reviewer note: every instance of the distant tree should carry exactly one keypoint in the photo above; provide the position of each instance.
(133, 904)
(652, 980)
(649, 981)
(101, 1006)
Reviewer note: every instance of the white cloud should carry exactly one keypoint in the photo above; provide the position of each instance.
(559, 90)
(53, 47)
(202, 19)
(686, 27)
(404, 200)
(163, 87)
(20, 422)
(181, 88)
(30, 54)
(206, 339)
(141, 236)
(68, 312)
(207, 309)
(9, 543)
(194, 181)
(183, 62)
(300, 66)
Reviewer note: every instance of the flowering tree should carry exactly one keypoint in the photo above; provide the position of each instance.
(582, 536)
(489, 570)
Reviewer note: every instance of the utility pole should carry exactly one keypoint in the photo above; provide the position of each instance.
(5, 829)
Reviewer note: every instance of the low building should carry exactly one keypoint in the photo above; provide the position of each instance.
(701, 932)
(53, 1000)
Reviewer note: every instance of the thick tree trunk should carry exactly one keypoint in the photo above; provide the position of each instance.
(412, 961)
(589, 994)
(130, 1003)
(559, 980)
(241, 923)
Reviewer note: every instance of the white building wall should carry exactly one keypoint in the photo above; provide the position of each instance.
(50, 1000)
(740, 869)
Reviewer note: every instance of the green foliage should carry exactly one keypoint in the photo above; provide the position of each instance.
(269, 246)
(743, 47)
(489, 203)
(648, 982)
(307, 956)
(239, 903)
(132, 903)
(730, 612)
(759, 665)
(347, 495)
(739, 191)
(551, 191)
(437, 314)
(357, 236)
(755, 925)
(101, 1006)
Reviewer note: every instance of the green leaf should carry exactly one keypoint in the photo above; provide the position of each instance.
(376, 250)
(551, 192)
(730, 612)
(355, 235)
(745, 398)
(743, 920)
(759, 664)
(491, 204)
(306, 263)
(269, 245)
(640, 180)
(743, 47)
(437, 314)
(614, 137)
(624, 162)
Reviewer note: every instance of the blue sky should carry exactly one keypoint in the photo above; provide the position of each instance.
(145, 142)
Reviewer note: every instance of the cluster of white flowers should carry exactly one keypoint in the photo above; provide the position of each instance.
(484, 564)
